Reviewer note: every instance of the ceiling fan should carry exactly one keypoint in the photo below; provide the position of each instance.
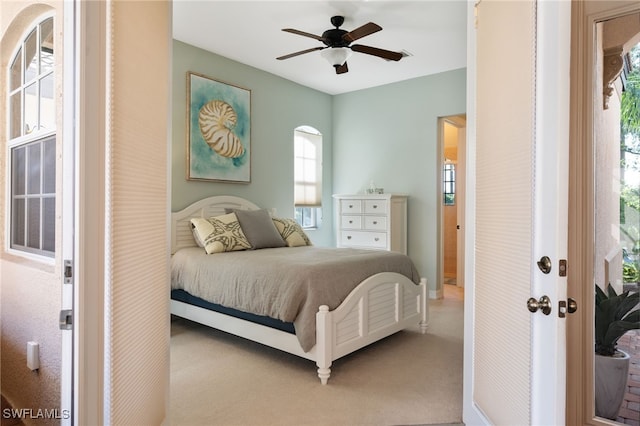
(338, 47)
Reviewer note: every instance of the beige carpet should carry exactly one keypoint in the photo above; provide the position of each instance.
(406, 379)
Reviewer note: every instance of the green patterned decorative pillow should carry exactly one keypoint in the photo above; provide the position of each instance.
(291, 232)
(221, 233)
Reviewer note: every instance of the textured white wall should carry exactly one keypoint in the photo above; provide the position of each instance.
(30, 290)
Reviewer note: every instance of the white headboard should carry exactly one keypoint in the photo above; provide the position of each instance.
(181, 234)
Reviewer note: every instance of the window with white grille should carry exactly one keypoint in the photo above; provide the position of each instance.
(32, 143)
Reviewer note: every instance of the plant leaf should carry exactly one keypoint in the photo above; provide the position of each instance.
(626, 303)
(600, 295)
(633, 317)
(614, 316)
(616, 330)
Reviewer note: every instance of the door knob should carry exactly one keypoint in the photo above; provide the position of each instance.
(544, 304)
(573, 306)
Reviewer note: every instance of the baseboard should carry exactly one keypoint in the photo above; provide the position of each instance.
(436, 294)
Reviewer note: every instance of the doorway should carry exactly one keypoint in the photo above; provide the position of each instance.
(604, 210)
(452, 138)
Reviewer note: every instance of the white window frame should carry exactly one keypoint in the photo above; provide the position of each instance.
(314, 212)
(449, 183)
(23, 140)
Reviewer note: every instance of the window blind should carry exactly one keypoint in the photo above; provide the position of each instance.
(137, 252)
(504, 176)
(307, 169)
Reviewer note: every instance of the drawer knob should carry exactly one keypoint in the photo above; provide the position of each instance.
(375, 222)
(350, 221)
(348, 237)
(377, 239)
(375, 206)
(350, 206)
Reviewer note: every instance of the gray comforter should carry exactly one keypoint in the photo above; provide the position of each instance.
(287, 283)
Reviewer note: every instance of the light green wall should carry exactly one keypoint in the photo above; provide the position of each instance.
(389, 134)
(278, 106)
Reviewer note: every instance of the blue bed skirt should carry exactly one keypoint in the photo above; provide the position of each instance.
(183, 296)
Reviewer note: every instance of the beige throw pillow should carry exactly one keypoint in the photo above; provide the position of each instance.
(221, 233)
(291, 232)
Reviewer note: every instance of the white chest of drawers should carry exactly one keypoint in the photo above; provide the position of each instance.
(372, 221)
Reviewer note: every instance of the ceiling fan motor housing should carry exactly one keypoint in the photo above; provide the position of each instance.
(333, 38)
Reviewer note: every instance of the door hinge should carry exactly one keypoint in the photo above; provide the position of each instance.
(66, 319)
(68, 272)
(475, 14)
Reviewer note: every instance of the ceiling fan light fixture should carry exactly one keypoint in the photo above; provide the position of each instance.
(336, 56)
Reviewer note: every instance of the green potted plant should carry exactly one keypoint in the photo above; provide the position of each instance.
(615, 314)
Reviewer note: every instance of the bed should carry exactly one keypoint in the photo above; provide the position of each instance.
(378, 298)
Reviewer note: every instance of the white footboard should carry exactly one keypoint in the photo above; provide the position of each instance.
(379, 307)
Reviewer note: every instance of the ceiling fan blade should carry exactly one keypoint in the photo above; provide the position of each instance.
(365, 30)
(341, 69)
(302, 52)
(381, 53)
(302, 33)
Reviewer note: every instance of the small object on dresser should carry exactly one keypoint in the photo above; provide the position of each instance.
(374, 190)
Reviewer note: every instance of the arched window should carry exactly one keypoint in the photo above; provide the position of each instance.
(32, 143)
(308, 176)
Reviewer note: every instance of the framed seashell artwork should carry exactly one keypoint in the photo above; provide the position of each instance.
(218, 130)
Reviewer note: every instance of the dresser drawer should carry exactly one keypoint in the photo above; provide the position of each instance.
(375, 206)
(375, 223)
(364, 239)
(351, 206)
(351, 222)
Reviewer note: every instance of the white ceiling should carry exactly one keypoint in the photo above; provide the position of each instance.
(250, 32)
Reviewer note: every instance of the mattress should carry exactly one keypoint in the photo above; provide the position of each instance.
(286, 283)
(183, 296)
